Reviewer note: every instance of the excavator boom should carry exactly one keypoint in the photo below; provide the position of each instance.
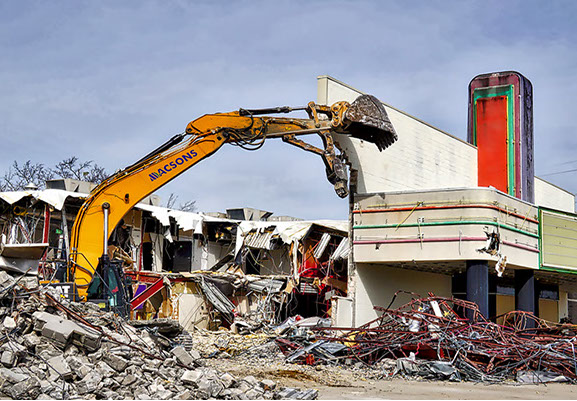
(107, 204)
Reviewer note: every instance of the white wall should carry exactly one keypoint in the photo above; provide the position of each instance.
(376, 285)
(551, 196)
(424, 157)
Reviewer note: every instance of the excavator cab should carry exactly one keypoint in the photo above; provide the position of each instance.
(110, 288)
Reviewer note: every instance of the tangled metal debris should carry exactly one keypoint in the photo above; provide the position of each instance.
(429, 337)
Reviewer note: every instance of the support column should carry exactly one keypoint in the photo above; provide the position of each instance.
(525, 294)
(478, 285)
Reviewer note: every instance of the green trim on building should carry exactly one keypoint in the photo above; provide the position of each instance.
(494, 91)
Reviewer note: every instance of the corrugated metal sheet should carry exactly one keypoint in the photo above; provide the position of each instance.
(217, 299)
(266, 285)
(307, 288)
(342, 251)
(260, 240)
(322, 245)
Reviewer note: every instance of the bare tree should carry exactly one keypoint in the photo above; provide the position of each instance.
(19, 175)
(85, 171)
(187, 206)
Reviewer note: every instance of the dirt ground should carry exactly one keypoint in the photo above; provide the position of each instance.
(419, 390)
(258, 356)
(335, 383)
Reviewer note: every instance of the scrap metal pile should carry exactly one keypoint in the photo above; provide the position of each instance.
(54, 349)
(431, 338)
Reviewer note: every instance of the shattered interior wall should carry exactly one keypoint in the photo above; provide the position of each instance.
(377, 286)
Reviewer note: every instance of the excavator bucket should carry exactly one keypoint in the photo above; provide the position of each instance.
(367, 119)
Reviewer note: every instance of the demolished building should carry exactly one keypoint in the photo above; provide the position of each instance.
(237, 269)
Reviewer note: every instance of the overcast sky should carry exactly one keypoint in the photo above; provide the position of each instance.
(111, 80)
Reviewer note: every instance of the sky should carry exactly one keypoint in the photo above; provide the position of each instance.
(109, 81)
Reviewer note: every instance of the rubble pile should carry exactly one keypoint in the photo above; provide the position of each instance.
(429, 338)
(54, 349)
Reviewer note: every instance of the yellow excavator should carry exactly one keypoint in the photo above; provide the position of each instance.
(107, 204)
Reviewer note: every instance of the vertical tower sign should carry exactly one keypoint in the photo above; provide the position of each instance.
(501, 126)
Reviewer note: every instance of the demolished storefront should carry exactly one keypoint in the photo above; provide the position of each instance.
(202, 270)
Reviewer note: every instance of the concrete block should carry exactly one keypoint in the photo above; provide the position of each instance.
(110, 383)
(169, 362)
(183, 356)
(40, 373)
(79, 365)
(293, 394)
(268, 384)
(27, 389)
(252, 381)
(185, 395)
(212, 387)
(89, 383)
(6, 280)
(108, 394)
(227, 380)
(254, 394)
(64, 331)
(116, 362)
(233, 394)
(46, 387)
(71, 350)
(133, 369)
(104, 370)
(195, 355)
(59, 364)
(128, 380)
(9, 323)
(243, 386)
(191, 377)
(141, 394)
(31, 341)
(8, 358)
(163, 395)
(7, 375)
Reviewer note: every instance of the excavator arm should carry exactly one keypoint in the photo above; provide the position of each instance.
(114, 197)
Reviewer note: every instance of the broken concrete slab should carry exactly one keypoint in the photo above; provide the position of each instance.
(289, 393)
(59, 366)
(254, 394)
(128, 380)
(115, 362)
(31, 341)
(89, 383)
(211, 387)
(7, 375)
(63, 331)
(268, 384)
(8, 358)
(227, 380)
(185, 395)
(29, 389)
(191, 377)
(183, 356)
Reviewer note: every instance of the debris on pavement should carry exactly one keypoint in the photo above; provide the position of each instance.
(430, 338)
